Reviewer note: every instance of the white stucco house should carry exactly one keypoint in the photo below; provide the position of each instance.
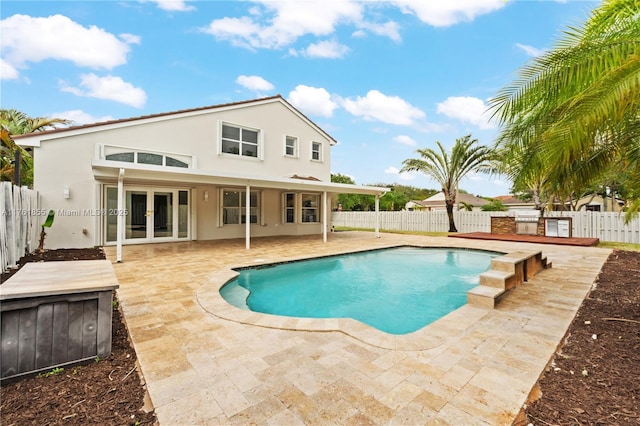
(243, 169)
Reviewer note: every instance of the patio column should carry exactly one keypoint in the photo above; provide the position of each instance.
(120, 216)
(324, 216)
(377, 233)
(247, 215)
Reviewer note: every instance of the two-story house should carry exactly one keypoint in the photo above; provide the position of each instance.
(243, 169)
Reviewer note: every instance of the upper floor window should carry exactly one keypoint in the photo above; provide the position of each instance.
(240, 141)
(316, 151)
(291, 146)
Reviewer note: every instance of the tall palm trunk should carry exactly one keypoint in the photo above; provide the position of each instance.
(452, 225)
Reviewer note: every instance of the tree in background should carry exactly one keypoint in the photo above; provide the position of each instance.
(495, 205)
(448, 169)
(577, 107)
(13, 122)
(352, 202)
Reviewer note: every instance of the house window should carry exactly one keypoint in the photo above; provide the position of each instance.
(239, 141)
(289, 207)
(233, 207)
(316, 151)
(310, 208)
(291, 146)
(147, 158)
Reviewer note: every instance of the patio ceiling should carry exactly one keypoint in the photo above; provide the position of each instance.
(107, 171)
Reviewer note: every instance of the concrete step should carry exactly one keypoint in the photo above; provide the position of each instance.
(484, 296)
(495, 278)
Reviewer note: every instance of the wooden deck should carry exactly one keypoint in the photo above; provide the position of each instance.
(582, 242)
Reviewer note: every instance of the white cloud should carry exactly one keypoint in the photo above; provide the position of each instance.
(109, 88)
(329, 49)
(174, 5)
(406, 176)
(278, 24)
(450, 12)
(387, 109)
(7, 71)
(530, 50)
(467, 109)
(388, 29)
(254, 82)
(80, 117)
(313, 100)
(405, 140)
(26, 39)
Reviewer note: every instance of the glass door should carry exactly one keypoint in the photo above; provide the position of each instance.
(137, 218)
(151, 215)
(163, 215)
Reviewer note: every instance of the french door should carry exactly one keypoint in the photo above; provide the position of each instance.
(150, 215)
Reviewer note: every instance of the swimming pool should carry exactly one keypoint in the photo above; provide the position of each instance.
(397, 290)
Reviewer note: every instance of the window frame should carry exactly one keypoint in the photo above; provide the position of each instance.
(305, 209)
(241, 207)
(241, 143)
(296, 144)
(318, 151)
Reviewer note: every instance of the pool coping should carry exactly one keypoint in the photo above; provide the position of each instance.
(428, 337)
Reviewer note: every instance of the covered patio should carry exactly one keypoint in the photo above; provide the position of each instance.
(476, 366)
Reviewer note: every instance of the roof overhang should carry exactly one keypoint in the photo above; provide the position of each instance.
(107, 171)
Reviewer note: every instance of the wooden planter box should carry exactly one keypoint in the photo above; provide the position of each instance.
(55, 313)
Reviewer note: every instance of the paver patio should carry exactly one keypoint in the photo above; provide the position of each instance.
(473, 367)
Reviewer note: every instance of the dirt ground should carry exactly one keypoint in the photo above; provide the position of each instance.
(104, 391)
(593, 379)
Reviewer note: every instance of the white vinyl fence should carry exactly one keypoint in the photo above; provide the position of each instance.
(607, 226)
(19, 223)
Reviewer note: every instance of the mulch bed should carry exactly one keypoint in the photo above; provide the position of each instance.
(105, 391)
(593, 379)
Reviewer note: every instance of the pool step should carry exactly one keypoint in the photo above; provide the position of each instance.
(506, 272)
(496, 279)
(484, 296)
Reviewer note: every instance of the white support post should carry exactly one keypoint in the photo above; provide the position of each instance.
(247, 220)
(324, 216)
(120, 216)
(377, 216)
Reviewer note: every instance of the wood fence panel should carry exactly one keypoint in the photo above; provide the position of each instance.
(19, 222)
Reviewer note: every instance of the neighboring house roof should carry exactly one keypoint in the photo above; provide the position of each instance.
(33, 139)
(509, 199)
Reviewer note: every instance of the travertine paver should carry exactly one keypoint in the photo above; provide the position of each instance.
(206, 362)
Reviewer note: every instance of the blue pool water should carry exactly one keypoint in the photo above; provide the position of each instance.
(398, 290)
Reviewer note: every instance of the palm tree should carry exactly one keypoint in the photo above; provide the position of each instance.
(578, 106)
(13, 122)
(466, 157)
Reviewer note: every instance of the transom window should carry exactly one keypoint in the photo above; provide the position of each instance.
(146, 158)
(240, 141)
(233, 207)
(291, 146)
(316, 151)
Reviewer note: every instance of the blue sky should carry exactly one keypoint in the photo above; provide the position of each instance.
(384, 78)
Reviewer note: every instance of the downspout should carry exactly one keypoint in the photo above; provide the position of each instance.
(120, 216)
(247, 215)
(324, 216)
